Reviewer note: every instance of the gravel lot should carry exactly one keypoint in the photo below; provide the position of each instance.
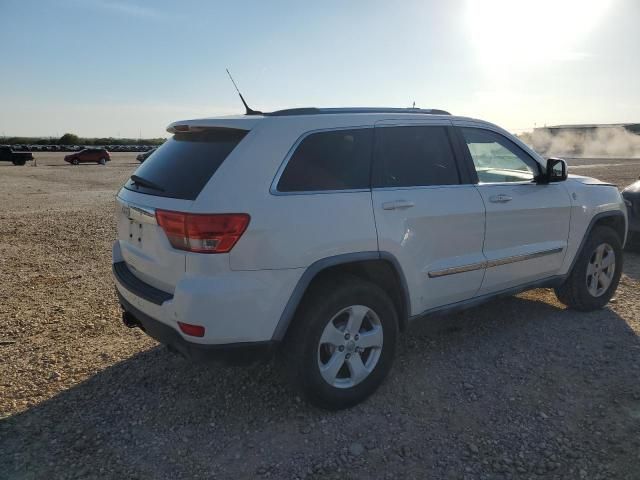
(517, 388)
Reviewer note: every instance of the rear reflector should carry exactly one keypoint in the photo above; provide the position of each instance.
(202, 233)
(192, 330)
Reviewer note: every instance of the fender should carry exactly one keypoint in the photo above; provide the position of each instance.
(324, 263)
(592, 223)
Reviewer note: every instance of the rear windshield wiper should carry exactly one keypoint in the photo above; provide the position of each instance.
(146, 183)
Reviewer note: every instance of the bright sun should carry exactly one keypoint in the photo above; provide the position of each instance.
(529, 33)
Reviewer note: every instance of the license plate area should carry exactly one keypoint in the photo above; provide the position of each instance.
(135, 218)
(136, 233)
(144, 246)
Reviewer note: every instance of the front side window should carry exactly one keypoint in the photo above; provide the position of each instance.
(497, 159)
(414, 156)
(332, 160)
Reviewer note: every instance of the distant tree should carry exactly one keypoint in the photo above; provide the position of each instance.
(69, 139)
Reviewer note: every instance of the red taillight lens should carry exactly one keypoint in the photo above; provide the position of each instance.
(203, 233)
(193, 330)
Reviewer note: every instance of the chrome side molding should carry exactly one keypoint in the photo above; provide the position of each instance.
(522, 258)
(461, 269)
(493, 263)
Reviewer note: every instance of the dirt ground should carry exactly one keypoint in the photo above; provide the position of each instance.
(517, 388)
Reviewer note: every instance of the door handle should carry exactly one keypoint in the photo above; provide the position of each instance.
(397, 205)
(502, 198)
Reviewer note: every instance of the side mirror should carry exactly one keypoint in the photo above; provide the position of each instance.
(556, 170)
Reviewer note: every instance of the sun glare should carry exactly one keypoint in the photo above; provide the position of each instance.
(528, 33)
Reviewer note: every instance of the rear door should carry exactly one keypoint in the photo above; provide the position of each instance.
(169, 180)
(428, 214)
(527, 225)
(89, 155)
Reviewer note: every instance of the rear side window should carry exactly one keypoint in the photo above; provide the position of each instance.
(414, 156)
(182, 166)
(333, 160)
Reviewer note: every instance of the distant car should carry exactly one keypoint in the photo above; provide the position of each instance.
(143, 156)
(17, 158)
(631, 196)
(89, 155)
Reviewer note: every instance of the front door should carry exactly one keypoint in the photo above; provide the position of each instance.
(428, 214)
(527, 224)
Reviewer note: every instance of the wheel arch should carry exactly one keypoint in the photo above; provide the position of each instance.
(381, 268)
(614, 219)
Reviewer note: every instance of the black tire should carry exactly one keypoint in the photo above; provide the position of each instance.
(300, 351)
(574, 292)
(75, 161)
(19, 162)
(102, 161)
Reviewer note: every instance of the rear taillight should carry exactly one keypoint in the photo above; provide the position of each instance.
(203, 233)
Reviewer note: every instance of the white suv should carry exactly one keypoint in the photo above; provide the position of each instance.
(321, 233)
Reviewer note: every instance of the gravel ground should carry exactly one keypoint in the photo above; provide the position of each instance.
(517, 388)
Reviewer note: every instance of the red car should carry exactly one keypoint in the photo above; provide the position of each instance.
(89, 155)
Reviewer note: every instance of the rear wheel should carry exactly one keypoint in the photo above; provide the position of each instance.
(19, 162)
(342, 343)
(102, 161)
(596, 273)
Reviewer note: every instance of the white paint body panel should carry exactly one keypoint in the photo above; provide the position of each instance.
(587, 201)
(233, 307)
(444, 229)
(290, 230)
(535, 221)
(144, 246)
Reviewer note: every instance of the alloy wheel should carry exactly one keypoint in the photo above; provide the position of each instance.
(600, 270)
(350, 346)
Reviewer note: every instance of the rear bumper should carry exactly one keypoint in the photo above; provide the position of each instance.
(233, 353)
(137, 287)
(235, 307)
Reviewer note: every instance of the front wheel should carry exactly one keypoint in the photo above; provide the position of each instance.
(342, 343)
(596, 273)
(75, 161)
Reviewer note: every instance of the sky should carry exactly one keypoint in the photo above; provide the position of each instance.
(129, 68)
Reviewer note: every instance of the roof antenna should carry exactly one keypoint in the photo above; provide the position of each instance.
(248, 109)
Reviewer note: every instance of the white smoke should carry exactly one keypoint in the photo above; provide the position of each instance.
(600, 142)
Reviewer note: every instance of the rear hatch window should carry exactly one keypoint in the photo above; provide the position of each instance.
(183, 165)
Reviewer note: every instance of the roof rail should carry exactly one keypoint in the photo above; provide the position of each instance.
(325, 111)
